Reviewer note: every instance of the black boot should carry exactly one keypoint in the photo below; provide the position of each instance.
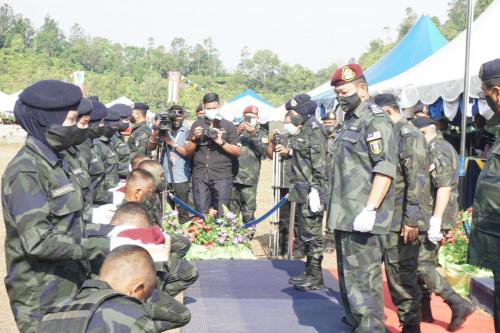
(460, 310)
(411, 329)
(314, 280)
(426, 308)
(301, 277)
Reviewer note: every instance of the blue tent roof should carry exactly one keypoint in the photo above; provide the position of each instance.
(420, 42)
(250, 92)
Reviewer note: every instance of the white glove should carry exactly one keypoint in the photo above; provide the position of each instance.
(434, 233)
(314, 202)
(365, 220)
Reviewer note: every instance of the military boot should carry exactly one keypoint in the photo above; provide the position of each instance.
(301, 277)
(411, 329)
(460, 310)
(425, 308)
(314, 280)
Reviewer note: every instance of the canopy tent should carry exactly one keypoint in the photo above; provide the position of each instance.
(423, 40)
(234, 108)
(441, 76)
(121, 100)
(7, 102)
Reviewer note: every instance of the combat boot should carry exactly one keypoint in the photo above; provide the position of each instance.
(425, 308)
(301, 277)
(314, 280)
(411, 329)
(460, 310)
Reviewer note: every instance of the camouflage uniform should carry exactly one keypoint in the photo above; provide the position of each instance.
(444, 172)
(82, 177)
(120, 147)
(329, 233)
(110, 160)
(484, 240)
(89, 156)
(308, 171)
(412, 208)
(46, 247)
(138, 139)
(244, 193)
(364, 145)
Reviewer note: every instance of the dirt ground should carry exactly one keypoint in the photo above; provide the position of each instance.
(260, 244)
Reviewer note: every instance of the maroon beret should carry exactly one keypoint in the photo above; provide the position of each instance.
(346, 74)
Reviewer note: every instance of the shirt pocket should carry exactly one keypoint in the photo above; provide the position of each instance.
(111, 159)
(64, 199)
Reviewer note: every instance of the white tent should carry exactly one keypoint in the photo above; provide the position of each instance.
(7, 102)
(121, 100)
(442, 74)
(234, 108)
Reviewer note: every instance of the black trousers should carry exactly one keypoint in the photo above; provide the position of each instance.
(211, 194)
(182, 192)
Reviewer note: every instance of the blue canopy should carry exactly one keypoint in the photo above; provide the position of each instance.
(251, 93)
(420, 42)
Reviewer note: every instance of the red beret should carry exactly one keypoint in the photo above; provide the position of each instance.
(251, 109)
(346, 74)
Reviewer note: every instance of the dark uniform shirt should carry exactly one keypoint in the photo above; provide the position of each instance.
(138, 139)
(210, 161)
(97, 171)
(253, 149)
(122, 151)
(110, 159)
(364, 145)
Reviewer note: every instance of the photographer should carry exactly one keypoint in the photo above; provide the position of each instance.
(213, 143)
(253, 147)
(170, 130)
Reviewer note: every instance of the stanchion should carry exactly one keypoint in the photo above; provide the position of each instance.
(291, 229)
(274, 237)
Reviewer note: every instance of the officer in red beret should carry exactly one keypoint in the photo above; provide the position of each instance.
(362, 198)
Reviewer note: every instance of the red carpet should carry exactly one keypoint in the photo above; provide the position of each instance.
(477, 322)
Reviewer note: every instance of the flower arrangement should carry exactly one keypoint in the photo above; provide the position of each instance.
(456, 241)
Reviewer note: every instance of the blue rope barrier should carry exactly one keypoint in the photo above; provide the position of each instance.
(185, 206)
(269, 213)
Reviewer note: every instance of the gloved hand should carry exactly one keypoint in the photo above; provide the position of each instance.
(365, 220)
(314, 201)
(434, 233)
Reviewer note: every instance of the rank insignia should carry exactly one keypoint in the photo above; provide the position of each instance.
(293, 103)
(265, 140)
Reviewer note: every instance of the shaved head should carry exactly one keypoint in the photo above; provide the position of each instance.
(155, 168)
(138, 158)
(129, 269)
(140, 184)
(132, 213)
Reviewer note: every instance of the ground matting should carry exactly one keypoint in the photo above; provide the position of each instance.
(254, 296)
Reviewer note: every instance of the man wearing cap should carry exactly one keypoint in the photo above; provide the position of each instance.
(117, 141)
(444, 195)
(138, 139)
(484, 240)
(253, 147)
(46, 247)
(411, 215)
(307, 185)
(362, 198)
(329, 121)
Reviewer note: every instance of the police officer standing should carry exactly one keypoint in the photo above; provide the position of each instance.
(118, 144)
(103, 147)
(362, 199)
(329, 121)
(411, 213)
(444, 192)
(138, 139)
(307, 188)
(253, 148)
(484, 240)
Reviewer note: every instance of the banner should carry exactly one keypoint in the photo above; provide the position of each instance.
(79, 78)
(174, 80)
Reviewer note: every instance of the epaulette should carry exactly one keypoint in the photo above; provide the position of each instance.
(376, 110)
(433, 146)
(405, 131)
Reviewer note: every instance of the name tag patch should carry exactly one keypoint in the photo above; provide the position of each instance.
(61, 190)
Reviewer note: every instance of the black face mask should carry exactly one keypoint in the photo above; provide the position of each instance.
(96, 131)
(60, 137)
(330, 129)
(349, 103)
(81, 134)
(296, 119)
(122, 126)
(491, 103)
(109, 131)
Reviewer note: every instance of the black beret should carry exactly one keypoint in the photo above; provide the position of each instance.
(490, 70)
(51, 95)
(99, 111)
(85, 107)
(297, 102)
(329, 115)
(386, 100)
(422, 122)
(124, 109)
(93, 98)
(141, 106)
(112, 115)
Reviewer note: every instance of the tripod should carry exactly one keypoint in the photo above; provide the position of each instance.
(162, 151)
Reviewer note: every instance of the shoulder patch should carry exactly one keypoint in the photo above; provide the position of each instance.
(405, 131)
(265, 140)
(57, 192)
(376, 110)
(374, 136)
(433, 146)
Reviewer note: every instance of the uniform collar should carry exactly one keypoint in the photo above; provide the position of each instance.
(358, 112)
(142, 123)
(95, 284)
(41, 149)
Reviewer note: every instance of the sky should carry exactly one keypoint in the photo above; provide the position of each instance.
(313, 33)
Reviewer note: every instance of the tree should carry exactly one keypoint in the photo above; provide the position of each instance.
(408, 22)
(49, 39)
(6, 23)
(180, 52)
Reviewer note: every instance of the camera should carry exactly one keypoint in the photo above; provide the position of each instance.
(277, 139)
(166, 121)
(211, 133)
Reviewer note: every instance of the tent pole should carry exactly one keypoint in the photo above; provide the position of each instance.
(465, 96)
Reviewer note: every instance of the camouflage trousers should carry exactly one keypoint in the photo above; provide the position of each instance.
(166, 311)
(244, 201)
(359, 258)
(284, 226)
(430, 280)
(179, 273)
(310, 230)
(401, 263)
